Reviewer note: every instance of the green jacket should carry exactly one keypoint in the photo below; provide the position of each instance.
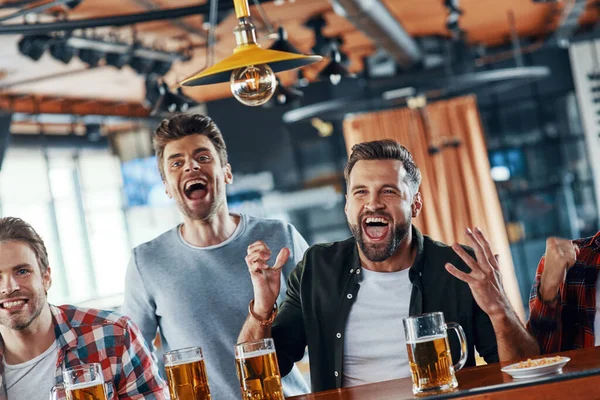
(324, 285)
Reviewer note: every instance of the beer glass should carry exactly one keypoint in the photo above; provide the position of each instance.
(84, 382)
(186, 374)
(58, 393)
(429, 353)
(258, 370)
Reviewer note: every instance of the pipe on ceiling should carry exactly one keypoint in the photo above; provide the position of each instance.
(569, 22)
(376, 21)
(114, 20)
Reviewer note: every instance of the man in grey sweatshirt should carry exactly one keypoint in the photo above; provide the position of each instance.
(191, 282)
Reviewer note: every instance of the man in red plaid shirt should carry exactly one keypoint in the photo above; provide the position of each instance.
(565, 298)
(39, 340)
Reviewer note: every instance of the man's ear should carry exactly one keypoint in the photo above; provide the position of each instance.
(346, 205)
(47, 279)
(417, 205)
(228, 174)
(167, 190)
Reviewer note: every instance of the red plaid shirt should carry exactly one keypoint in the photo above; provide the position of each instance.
(97, 336)
(568, 323)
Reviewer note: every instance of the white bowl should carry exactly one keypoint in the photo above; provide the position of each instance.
(534, 372)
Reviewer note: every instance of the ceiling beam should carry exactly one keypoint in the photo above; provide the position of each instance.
(38, 104)
(114, 20)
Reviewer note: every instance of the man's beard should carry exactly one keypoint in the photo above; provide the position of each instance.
(23, 323)
(203, 213)
(381, 251)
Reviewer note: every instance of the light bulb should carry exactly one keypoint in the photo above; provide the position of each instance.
(253, 85)
(335, 78)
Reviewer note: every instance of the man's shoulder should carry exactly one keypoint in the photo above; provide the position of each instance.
(159, 243)
(253, 222)
(83, 317)
(332, 251)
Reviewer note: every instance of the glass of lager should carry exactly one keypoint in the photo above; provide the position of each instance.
(429, 353)
(84, 382)
(258, 370)
(186, 374)
(58, 392)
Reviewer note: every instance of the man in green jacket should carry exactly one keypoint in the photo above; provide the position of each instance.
(346, 300)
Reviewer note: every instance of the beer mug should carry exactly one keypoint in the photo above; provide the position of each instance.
(429, 353)
(186, 374)
(84, 382)
(258, 370)
(58, 393)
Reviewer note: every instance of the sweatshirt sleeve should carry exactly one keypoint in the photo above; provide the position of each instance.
(138, 304)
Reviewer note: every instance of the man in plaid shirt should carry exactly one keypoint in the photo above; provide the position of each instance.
(565, 298)
(39, 340)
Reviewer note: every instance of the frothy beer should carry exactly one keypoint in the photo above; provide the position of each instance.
(259, 376)
(187, 380)
(87, 391)
(431, 363)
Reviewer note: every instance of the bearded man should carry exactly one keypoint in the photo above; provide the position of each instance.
(346, 300)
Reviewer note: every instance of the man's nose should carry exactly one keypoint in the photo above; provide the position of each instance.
(192, 165)
(9, 285)
(374, 203)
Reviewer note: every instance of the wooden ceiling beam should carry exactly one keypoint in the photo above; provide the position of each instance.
(56, 105)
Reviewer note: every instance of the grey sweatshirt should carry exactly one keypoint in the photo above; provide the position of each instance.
(198, 296)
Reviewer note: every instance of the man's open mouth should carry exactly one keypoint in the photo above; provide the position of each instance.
(13, 304)
(195, 189)
(376, 228)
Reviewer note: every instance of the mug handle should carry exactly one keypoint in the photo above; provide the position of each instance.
(464, 351)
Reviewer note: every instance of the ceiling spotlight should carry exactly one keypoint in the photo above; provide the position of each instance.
(140, 65)
(61, 51)
(335, 71)
(251, 69)
(153, 91)
(93, 132)
(34, 46)
(302, 79)
(91, 57)
(161, 67)
(282, 43)
(161, 100)
(322, 43)
(284, 96)
(117, 60)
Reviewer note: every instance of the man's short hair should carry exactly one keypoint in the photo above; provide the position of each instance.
(15, 229)
(183, 125)
(386, 149)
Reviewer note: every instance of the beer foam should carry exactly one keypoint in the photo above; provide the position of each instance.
(257, 353)
(426, 339)
(181, 362)
(84, 385)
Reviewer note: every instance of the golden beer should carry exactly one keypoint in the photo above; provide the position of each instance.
(431, 363)
(188, 380)
(87, 391)
(259, 376)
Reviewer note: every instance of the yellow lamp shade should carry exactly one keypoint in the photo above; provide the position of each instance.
(249, 54)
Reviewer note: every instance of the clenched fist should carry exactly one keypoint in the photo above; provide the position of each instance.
(266, 280)
(561, 254)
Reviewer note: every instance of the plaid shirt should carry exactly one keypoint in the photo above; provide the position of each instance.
(568, 323)
(97, 336)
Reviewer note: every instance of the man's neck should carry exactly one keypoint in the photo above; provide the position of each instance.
(212, 231)
(402, 259)
(23, 345)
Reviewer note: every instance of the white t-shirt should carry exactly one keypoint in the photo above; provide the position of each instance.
(33, 379)
(374, 343)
